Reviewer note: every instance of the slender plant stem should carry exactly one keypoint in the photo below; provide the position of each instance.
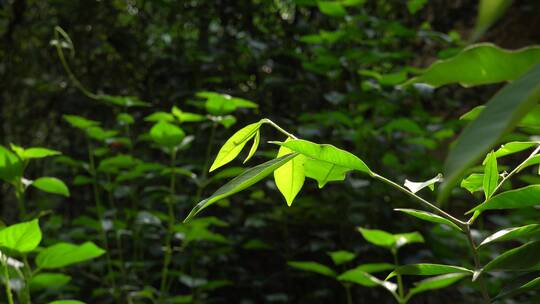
(99, 211)
(27, 275)
(474, 251)
(118, 237)
(202, 181)
(57, 32)
(401, 290)
(7, 282)
(280, 129)
(427, 204)
(19, 193)
(170, 229)
(348, 293)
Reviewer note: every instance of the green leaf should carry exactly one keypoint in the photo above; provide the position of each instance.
(221, 104)
(415, 5)
(332, 8)
(48, 280)
(64, 254)
(491, 175)
(51, 185)
(186, 116)
(100, 134)
(523, 258)
(417, 186)
(519, 198)
(378, 237)
(514, 147)
(22, 237)
(437, 282)
(489, 11)
(324, 172)
(80, 122)
(159, 116)
(241, 182)
(480, 64)
(66, 302)
(501, 114)
(473, 182)
(428, 216)
(373, 267)
(326, 153)
(290, 177)
(512, 234)
(11, 167)
(234, 145)
(312, 267)
(428, 270)
(123, 101)
(125, 119)
(166, 134)
(254, 146)
(522, 288)
(341, 256)
(390, 241)
(37, 152)
(363, 278)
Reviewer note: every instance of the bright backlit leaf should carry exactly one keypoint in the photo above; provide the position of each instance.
(480, 64)
(64, 254)
(22, 237)
(523, 258)
(254, 146)
(326, 153)
(341, 256)
(473, 182)
(11, 167)
(48, 280)
(290, 177)
(234, 145)
(166, 134)
(241, 182)
(491, 175)
(512, 234)
(51, 185)
(437, 282)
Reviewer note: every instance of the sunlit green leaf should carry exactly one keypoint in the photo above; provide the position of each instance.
(326, 153)
(501, 114)
(166, 134)
(491, 175)
(480, 64)
(234, 145)
(518, 198)
(80, 122)
(428, 270)
(66, 302)
(514, 147)
(64, 254)
(290, 177)
(473, 182)
(37, 152)
(51, 185)
(428, 216)
(415, 5)
(22, 237)
(241, 182)
(313, 267)
(159, 116)
(186, 116)
(341, 256)
(11, 167)
(512, 234)
(48, 280)
(123, 101)
(254, 146)
(332, 8)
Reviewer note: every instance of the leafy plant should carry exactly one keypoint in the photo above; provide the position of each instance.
(327, 163)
